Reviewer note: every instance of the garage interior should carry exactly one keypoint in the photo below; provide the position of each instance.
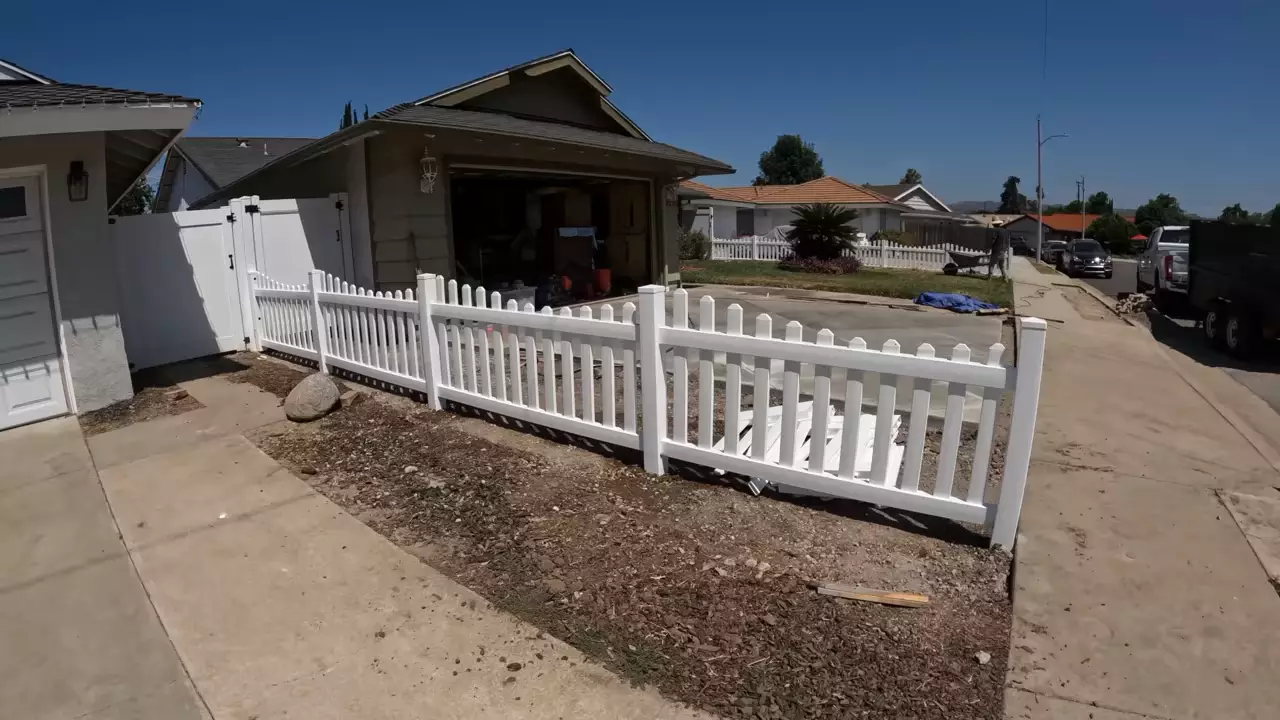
(551, 239)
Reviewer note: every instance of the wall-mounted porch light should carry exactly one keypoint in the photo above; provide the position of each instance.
(430, 168)
(77, 182)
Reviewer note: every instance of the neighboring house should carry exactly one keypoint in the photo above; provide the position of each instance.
(1058, 226)
(68, 153)
(198, 166)
(729, 212)
(994, 220)
(928, 220)
(502, 180)
(914, 196)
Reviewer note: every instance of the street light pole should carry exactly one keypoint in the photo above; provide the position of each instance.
(1081, 183)
(1040, 188)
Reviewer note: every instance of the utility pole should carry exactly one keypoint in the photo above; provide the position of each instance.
(1080, 192)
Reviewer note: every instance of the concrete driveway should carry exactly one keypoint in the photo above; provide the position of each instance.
(876, 321)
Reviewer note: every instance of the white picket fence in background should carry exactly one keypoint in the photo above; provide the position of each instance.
(875, 254)
(466, 346)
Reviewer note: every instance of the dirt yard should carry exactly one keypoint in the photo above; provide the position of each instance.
(154, 396)
(697, 588)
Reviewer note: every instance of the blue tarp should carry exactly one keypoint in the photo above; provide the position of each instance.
(953, 301)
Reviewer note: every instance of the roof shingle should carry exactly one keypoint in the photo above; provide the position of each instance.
(227, 159)
(39, 95)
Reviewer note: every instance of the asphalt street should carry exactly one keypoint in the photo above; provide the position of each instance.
(1124, 278)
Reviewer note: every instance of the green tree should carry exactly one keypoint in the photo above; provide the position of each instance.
(911, 177)
(1234, 214)
(1273, 217)
(1163, 209)
(137, 201)
(1113, 231)
(789, 162)
(821, 230)
(1099, 203)
(1074, 207)
(348, 117)
(366, 112)
(1012, 201)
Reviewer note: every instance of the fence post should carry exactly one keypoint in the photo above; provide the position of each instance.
(884, 252)
(255, 328)
(1022, 430)
(653, 380)
(755, 247)
(319, 330)
(428, 340)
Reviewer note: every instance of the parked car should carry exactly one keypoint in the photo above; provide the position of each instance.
(1162, 266)
(1086, 257)
(1232, 279)
(1050, 250)
(1018, 245)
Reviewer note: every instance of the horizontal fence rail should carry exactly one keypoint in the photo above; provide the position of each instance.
(878, 253)
(689, 389)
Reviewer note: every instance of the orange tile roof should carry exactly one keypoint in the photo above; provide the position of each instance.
(824, 189)
(1069, 222)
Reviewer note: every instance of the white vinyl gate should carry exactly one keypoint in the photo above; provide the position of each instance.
(183, 276)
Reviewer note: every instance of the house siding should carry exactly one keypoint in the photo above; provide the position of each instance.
(409, 230)
(84, 261)
(558, 95)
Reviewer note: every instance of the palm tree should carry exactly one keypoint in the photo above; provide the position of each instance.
(821, 230)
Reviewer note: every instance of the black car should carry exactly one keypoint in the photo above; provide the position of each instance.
(1085, 257)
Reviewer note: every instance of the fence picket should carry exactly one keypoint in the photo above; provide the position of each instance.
(760, 393)
(821, 408)
(884, 421)
(986, 431)
(513, 347)
(919, 422)
(608, 411)
(482, 346)
(531, 363)
(790, 399)
(733, 384)
(587, 367)
(850, 449)
(680, 371)
(548, 368)
(954, 418)
(706, 373)
(628, 373)
(568, 408)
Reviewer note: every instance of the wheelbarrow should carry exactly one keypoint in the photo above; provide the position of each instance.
(965, 261)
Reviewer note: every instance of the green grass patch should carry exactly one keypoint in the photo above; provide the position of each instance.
(867, 281)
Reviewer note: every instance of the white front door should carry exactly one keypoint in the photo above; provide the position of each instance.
(31, 385)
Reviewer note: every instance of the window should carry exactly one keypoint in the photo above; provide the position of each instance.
(746, 222)
(13, 202)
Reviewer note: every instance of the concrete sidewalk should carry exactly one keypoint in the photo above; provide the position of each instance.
(80, 637)
(281, 605)
(1135, 592)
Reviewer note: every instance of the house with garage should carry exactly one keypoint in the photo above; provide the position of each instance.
(506, 180)
(730, 212)
(68, 154)
(200, 166)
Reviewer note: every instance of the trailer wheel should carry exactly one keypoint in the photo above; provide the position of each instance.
(1241, 335)
(1213, 325)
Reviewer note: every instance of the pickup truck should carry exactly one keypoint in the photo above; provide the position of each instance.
(1233, 273)
(1162, 266)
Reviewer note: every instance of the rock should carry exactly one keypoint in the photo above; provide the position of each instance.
(545, 564)
(983, 657)
(311, 399)
(175, 395)
(555, 586)
(307, 470)
(410, 469)
(351, 397)
(771, 621)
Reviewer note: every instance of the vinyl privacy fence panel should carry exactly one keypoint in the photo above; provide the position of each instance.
(687, 391)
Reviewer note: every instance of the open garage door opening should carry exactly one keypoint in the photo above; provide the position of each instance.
(551, 239)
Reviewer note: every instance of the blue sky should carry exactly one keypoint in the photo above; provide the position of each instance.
(1158, 96)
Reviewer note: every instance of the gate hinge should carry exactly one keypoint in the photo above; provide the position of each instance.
(231, 217)
(337, 204)
(251, 209)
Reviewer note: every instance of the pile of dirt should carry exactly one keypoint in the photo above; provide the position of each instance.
(154, 396)
(694, 587)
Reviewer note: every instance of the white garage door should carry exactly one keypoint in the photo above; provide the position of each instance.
(31, 386)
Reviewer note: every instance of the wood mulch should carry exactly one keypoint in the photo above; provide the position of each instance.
(154, 396)
(694, 587)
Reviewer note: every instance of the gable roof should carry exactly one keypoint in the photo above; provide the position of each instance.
(827, 189)
(452, 96)
(223, 160)
(893, 191)
(15, 72)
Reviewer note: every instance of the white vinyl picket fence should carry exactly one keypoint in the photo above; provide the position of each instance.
(606, 378)
(880, 253)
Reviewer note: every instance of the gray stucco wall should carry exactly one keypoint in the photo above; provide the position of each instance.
(84, 264)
